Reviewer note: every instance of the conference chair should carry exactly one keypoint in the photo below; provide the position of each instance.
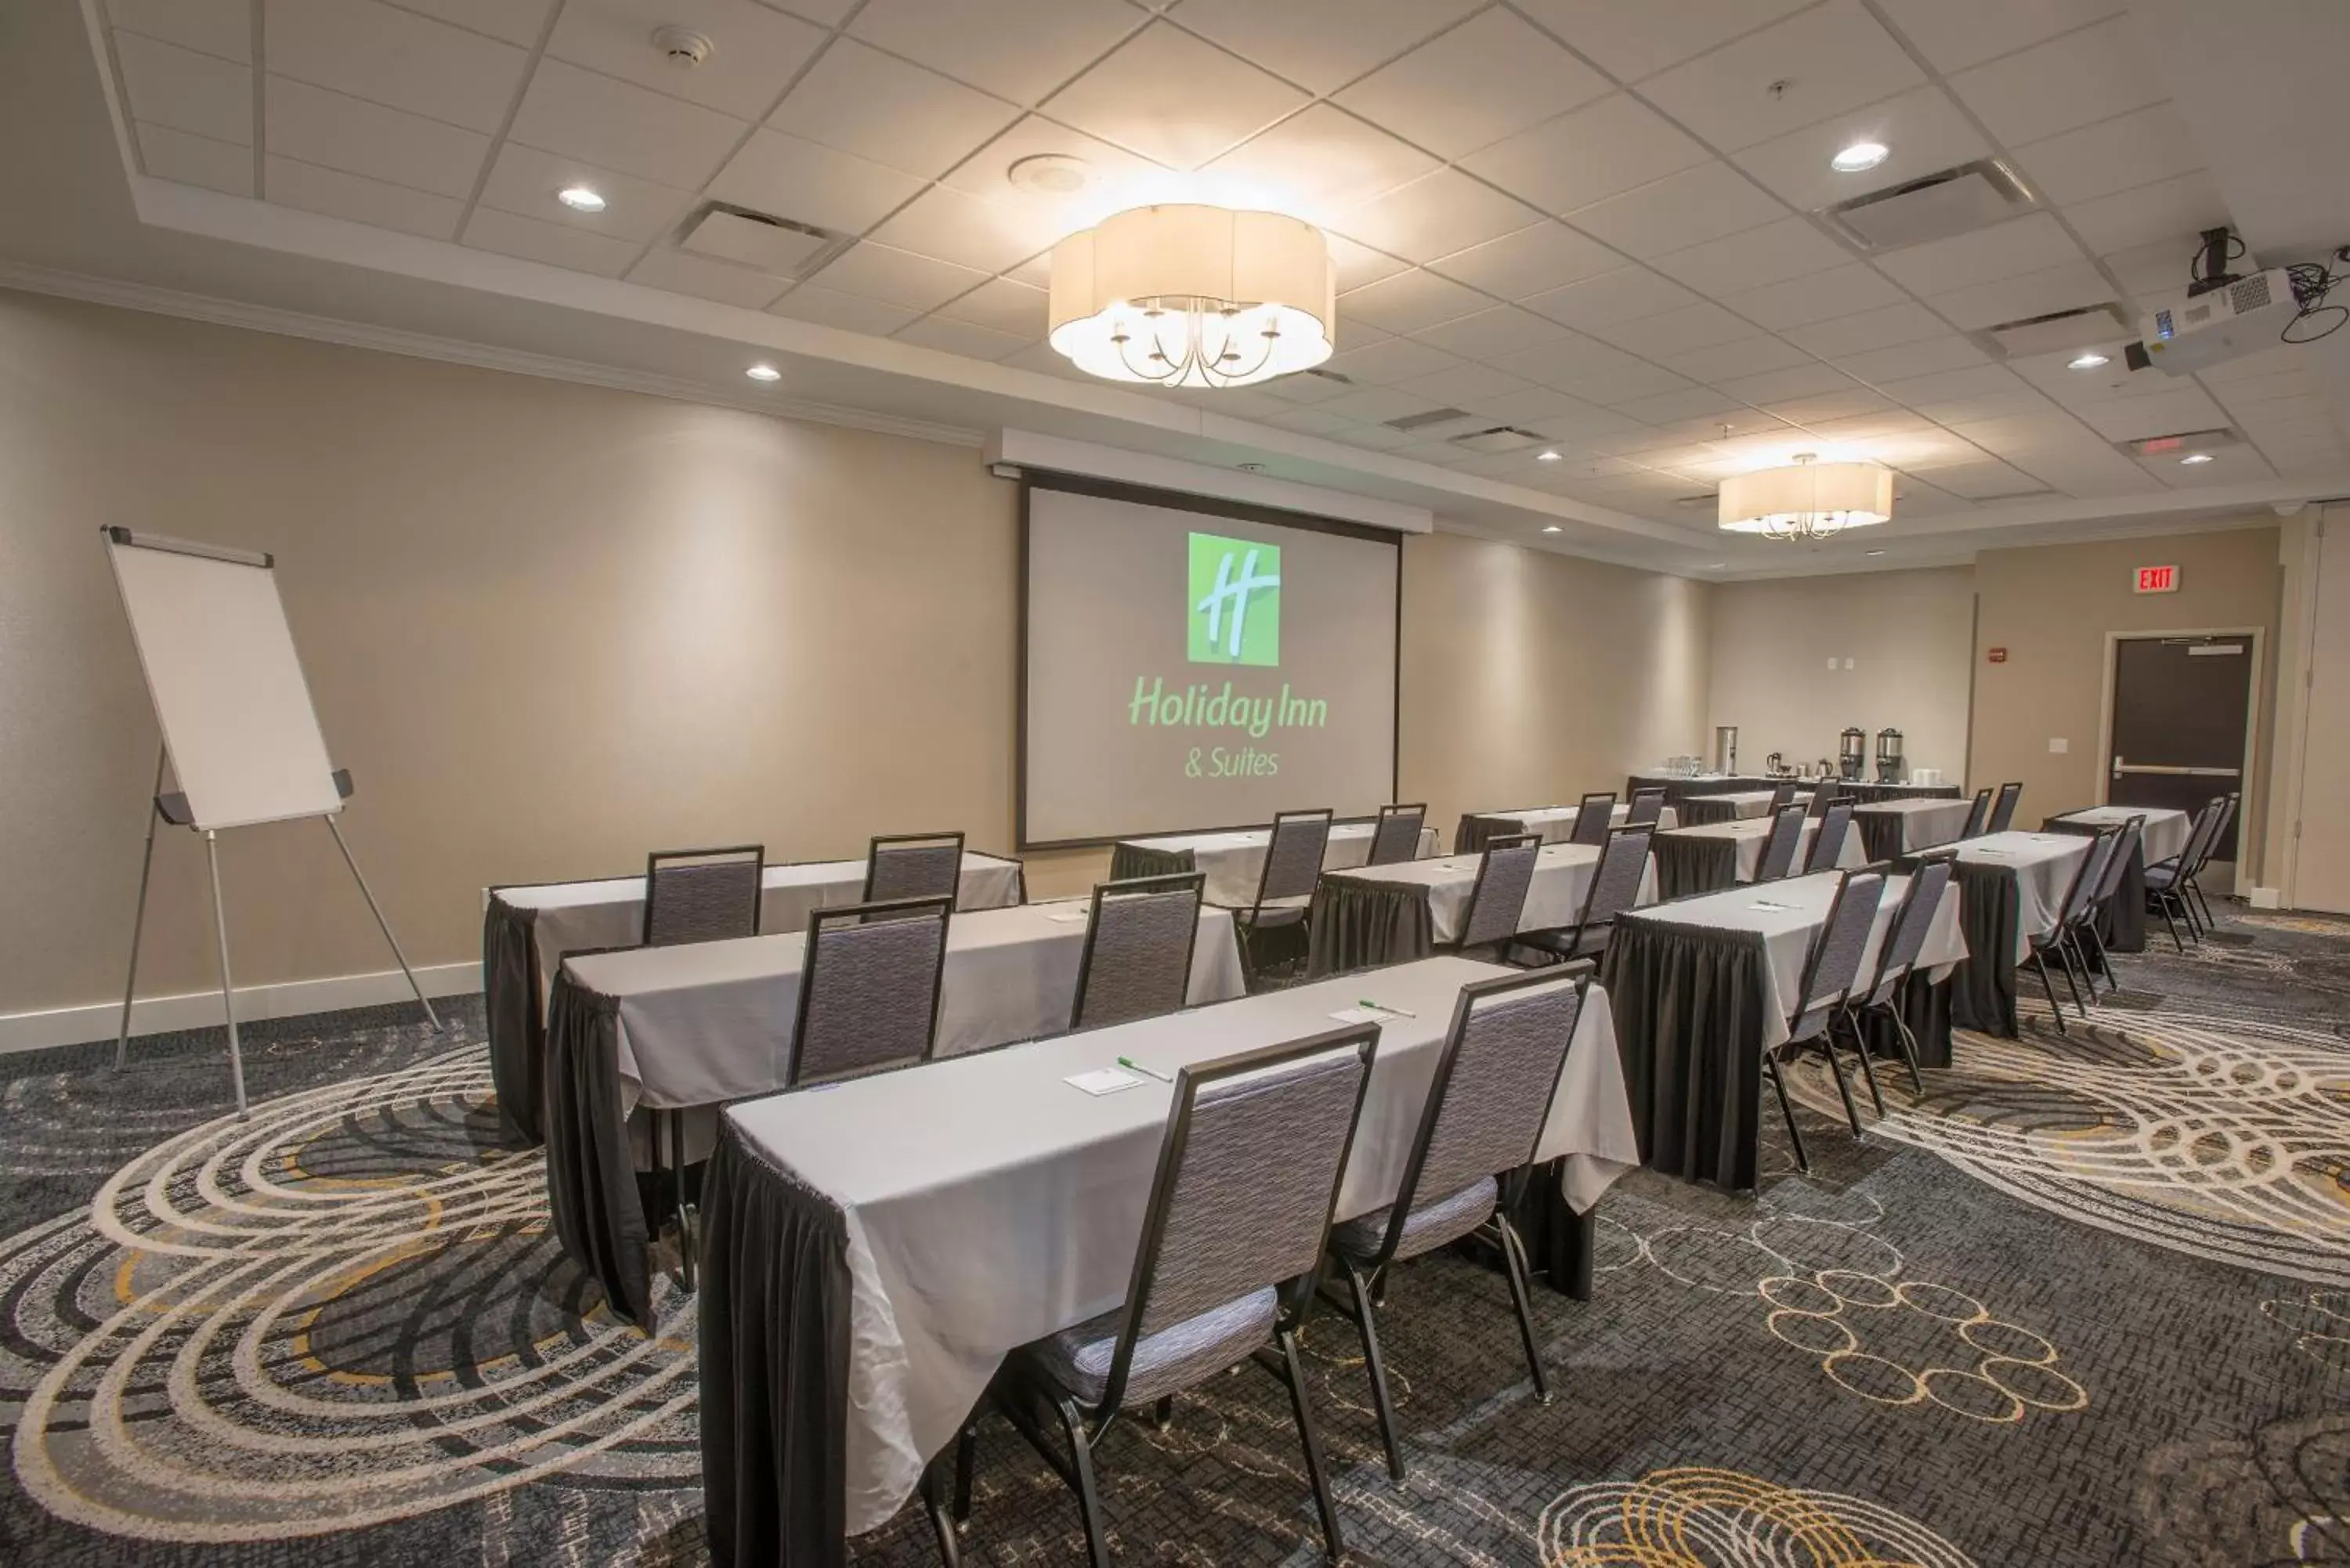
(914, 866)
(2087, 939)
(1396, 839)
(1615, 888)
(1497, 901)
(2057, 939)
(1647, 809)
(2002, 814)
(1293, 864)
(1593, 818)
(1138, 957)
(1778, 857)
(1232, 1247)
(1824, 793)
(703, 894)
(1483, 1119)
(1978, 816)
(2164, 881)
(869, 989)
(1830, 973)
(2212, 849)
(1827, 840)
(1898, 960)
(1782, 797)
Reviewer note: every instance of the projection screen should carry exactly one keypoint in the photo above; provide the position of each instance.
(1191, 663)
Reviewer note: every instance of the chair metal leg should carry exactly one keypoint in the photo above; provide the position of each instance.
(1787, 1109)
(687, 1240)
(2162, 907)
(1909, 1047)
(1081, 1456)
(2067, 956)
(1860, 1044)
(1162, 1414)
(1513, 1255)
(2048, 985)
(966, 1461)
(941, 1525)
(1334, 1540)
(1375, 1363)
(1844, 1090)
(2195, 886)
(2104, 959)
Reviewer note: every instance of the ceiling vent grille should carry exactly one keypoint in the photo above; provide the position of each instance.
(2081, 327)
(1934, 206)
(1338, 375)
(1432, 417)
(1498, 439)
(755, 239)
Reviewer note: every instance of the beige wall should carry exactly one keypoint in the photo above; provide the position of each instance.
(1907, 634)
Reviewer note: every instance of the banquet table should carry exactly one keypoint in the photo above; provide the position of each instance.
(2122, 926)
(2014, 884)
(700, 1025)
(1734, 806)
(1678, 787)
(1892, 828)
(1718, 855)
(876, 1248)
(1235, 862)
(527, 930)
(1551, 824)
(1396, 914)
(1703, 986)
(1871, 792)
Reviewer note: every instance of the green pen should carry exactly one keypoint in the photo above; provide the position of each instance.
(1376, 1007)
(1146, 1072)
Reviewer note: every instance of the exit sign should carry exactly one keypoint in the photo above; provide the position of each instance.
(2157, 580)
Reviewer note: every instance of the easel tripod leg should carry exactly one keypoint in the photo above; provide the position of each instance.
(228, 994)
(383, 925)
(139, 919)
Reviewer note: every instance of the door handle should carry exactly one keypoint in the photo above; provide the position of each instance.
(2119, 769)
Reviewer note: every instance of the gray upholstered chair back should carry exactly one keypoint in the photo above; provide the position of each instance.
(1498, 901)
(1293, 859)
(2089, 876)
(2117, 863)
(1782, 795)
(1779, 849)
(914, 866)
(1593, 817)
(1493, 1086)
(1247, 1176)
(2206, 829)
(703, 894)
(1647, 807)
(1827, 843)
(1906, 940)
(2227, 820)
(1138, 957)
(1978, 816)
(2002, 814)
(1616, 882)
(1396, 839)
(1838, 953)
(868, 988)
(1824, 793)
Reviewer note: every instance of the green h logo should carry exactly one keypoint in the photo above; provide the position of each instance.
(1235, 601)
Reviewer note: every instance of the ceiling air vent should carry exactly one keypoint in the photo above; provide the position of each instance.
(1338, 375)
(774, 246)
(1432, 417)
(1708, 502)
(1934, 206)
(2080, 328)
(1498, 439)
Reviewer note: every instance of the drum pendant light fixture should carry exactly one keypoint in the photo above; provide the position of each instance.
(1808, 499)
(1198, 297)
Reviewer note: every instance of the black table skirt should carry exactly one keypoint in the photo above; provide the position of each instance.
(591, 1177)
(1355, 923)
(1558, 1240)
(1476, 830)
(774, 1347)
(1872, 794)
(1699, 810)
(510, 984)
(1692, 863)
(1677, 790)
(1925, 1007)
(1130, 860)
(2122, 926)
(1689, 1004)
(1880, 833)
(1982, 988)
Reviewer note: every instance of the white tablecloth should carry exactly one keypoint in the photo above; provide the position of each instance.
(2167, 831)
(1924, 823)
(1555, 823)
(2043, 864)
(1751, 835)
(1563, 873)
(1235, 862)
(1015, 1210)
(1788, 914)
(705, 1022)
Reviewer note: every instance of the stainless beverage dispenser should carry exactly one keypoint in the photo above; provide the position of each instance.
(1888, 755)
(1725, 748)
(1851, 754)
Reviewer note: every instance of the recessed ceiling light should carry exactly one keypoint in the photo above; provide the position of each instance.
(580, 199)
(764, 373)
(1050, 174)
(1550, 527)
(2196, 457)
(1546, 456)
(1873, 552)
(2088, 362)
(1859, 156)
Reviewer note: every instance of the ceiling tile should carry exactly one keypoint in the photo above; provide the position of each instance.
(1392, 360)
(1985, 480)
(986, 173)
(860, 100)
(396, 58)
(1433, 216)
(2169, 210)
(1956, 36)
(1491, 332)
(1807, 380)
(2005, 250)
(1376, 405)
(1321, 45)
(360, 200)
(1488, 78)
(1628, 294)
(1833, 57)
(1922, 130)
(2157, 267)
(1019, 49)
(1815, 297)
(1596, 151)
(1985, 406)
(2058, 288)
(851, 312)
(1317, 163)
(2175, 409)
(1374, 438)
(1921, 358)
(2134, 149)
(1003, 306)
(1411, 301)
(553, 243)
(680, 273)
(515, 21)
(1699, 326)
(1675, 407)
(756, 51)
(1773, 253)
(1818, 408)
(989, 235)
(221, 27)
(182, 90)
(1359, 264)
(1950, 386)
(1880, 329)
(953, 337)
(1172, 99)
(788, 177)
(1310, 421)
(1544, 256)
(1679, 211)
(1637, 38)
(2077, 79)
(1533, 406)
(194, 160)
(619, 125)
(898, 277)
(524, 179)
(1301, 387)
(1590, 369)
(1740, 357)
(1465, 384)
(337, 132)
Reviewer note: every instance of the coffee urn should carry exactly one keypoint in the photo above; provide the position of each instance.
(1851, 754)
(1888, 756)
(1725, 748)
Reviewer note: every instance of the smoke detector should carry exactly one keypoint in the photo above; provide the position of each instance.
(683, 47)
(1050, 174)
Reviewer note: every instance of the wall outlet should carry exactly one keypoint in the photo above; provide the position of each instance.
(2058, 745)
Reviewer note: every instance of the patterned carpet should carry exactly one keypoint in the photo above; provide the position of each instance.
(2085, 1301)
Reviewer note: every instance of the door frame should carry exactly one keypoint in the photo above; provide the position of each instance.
(2114, 640)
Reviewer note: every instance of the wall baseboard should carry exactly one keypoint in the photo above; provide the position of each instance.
(199, 1009)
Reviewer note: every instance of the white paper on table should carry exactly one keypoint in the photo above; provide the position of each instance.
(1070, 916)
(1360, 1015)
(1108, 1081)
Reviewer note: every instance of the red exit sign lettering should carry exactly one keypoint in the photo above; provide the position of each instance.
(2157, 580)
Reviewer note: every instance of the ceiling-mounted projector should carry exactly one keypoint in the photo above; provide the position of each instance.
(2193, 331)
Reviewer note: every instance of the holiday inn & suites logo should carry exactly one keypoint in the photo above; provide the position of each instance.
(1235, 604)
